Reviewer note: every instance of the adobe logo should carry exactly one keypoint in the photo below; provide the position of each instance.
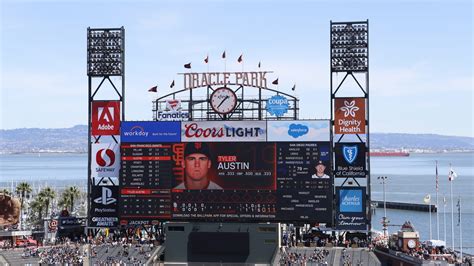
(105, 157)
(106, 118)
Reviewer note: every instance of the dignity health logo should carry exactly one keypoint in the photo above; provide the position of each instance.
(349, 108)
(297, 130)
(350, 200)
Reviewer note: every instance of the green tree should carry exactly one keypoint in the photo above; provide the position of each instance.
(73, 193)
(48, 194)
(37, 206)
(23, 190)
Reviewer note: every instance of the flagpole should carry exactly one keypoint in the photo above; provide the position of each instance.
(437, 206)
(431, 235)
(444, 214)
(452, 208)
(460, 228)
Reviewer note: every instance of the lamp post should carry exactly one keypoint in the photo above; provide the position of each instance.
(384, 220)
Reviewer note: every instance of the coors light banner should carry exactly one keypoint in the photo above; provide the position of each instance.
(105, 118)
(224, 131)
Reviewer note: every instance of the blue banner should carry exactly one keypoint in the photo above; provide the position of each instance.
(150, 131)
(350, 213)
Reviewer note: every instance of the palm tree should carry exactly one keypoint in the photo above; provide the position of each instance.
(23, 190)
(73, 193)
(48, 195)
(37, 206)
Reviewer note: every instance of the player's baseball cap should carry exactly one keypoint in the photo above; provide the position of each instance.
(197, 147)
(320, 162)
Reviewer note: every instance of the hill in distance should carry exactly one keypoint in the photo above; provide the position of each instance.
(74, 139)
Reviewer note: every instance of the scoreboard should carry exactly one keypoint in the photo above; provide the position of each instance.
(249, 180)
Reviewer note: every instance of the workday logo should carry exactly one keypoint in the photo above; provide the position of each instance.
(105, 157)
(106, 197)
(297, 130)
(350, 153)
(136, 131)
(349, 108)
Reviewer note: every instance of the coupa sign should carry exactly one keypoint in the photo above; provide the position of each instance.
(277, 105)
(172, 112)
(223, 131)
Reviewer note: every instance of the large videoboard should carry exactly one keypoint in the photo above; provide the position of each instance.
(254, 171)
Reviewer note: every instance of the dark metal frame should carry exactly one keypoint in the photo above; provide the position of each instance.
(105, 58)
(248, 107)
(349, 53)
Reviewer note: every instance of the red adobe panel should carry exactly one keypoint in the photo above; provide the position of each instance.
(105, 118)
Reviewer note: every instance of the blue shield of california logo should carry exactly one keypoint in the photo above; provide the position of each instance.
(350, 153)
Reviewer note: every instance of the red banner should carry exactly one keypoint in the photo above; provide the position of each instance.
(105, 118)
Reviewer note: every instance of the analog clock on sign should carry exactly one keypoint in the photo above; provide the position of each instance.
(223, 100)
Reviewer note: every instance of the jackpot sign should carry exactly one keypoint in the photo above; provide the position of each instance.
(349, 116)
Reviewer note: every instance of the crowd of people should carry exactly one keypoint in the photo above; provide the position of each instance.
(71, 254)
(293, 257)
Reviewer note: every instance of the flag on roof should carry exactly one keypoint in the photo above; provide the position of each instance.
(153, 89)
(188, 65)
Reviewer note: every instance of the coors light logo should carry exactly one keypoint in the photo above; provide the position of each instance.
(106, 118)
(227, 131)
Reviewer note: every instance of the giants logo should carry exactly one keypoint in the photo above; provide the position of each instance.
(105, 157)
(106, 118)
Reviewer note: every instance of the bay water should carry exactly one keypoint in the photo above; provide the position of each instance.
(409, 179)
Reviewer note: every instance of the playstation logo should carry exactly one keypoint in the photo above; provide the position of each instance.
(106, 197)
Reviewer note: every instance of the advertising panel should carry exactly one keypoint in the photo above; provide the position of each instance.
(349, 116)
(105, 159)
(277, 105)
(150, 131)
(172, 112)
(104, 203)
(224, 131)
(225, 181)
(301, 130)
(350, 213)
(105, 118)
(350, 160)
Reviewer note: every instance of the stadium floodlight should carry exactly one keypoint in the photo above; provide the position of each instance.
(105, 52)
(349, 47)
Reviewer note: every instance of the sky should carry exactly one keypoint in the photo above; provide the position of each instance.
(421, 56)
